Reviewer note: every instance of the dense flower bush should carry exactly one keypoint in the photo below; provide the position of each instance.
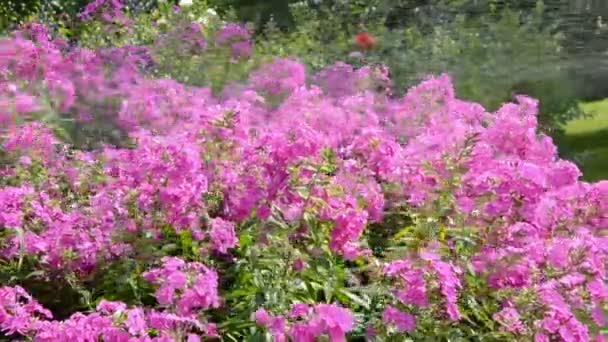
(293, 207)
(492, 50)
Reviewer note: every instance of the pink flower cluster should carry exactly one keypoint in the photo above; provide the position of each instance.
(111, 11)
(238, 38)
(280, 77)
(19, 312)
(222, 235)
(187, 287)
(341, 79)
(414, 284)
(111, 321)
(305, 323)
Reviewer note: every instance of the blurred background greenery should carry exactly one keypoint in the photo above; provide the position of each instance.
(554, 50)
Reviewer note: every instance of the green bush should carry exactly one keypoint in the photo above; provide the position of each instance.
(492, 52)
(491, 56)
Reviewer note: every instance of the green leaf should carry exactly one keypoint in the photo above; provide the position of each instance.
(364, 302)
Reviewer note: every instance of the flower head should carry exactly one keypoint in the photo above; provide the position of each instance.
(365, 41)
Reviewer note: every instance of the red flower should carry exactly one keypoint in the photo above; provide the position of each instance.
(365, 41)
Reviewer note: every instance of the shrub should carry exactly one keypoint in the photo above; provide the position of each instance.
(491, 53)
(91, 101)
(290, 207)
(476, 47)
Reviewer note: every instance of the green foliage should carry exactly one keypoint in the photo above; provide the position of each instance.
(163, 30)
(492, 51)
(211, 65)
(491, 56)
(58, 14)
(257, 12)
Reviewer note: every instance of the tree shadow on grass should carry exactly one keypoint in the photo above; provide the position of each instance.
(589, 151)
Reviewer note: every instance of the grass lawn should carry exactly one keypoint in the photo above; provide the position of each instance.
(586, 141)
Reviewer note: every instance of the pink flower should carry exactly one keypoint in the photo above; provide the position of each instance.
(281, 77)
(233, 32)
(26, 104)
(336, 319)
(238, 38)
(108, 307)
(404, 322)
(190, 286)
(298, 265)
(262, 317)
(136, 322)
(598, 289)
(222, 235)
(193, 338)
(241, 49)
(558, 256)
(348, 227)
(509, 320)
(299, 310)
(599, 316)
(277, 328)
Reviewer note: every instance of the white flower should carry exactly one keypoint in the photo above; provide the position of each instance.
(211, 12)
(185, 3)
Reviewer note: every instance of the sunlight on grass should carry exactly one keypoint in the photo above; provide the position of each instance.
(598, 121)
(586, 141)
